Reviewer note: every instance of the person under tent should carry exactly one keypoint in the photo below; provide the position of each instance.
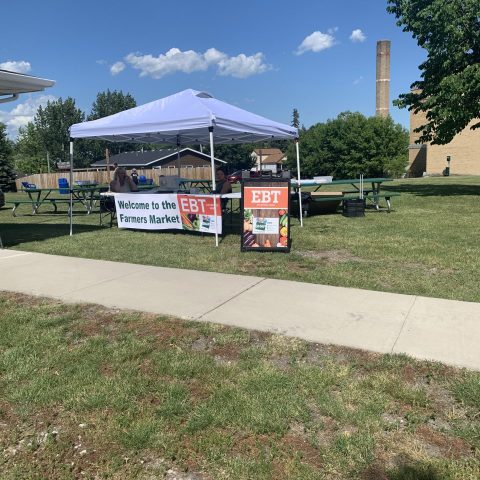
(121, 182)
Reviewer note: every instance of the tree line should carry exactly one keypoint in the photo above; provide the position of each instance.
(45, 141)
(349, 144)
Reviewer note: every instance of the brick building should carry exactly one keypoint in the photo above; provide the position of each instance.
(464, 152)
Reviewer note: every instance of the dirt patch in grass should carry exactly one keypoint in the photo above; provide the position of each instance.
(54, 443)
(444, 445)
(198, 390)
(18, 300)
(165, 331)
(430, 270)
(330, 256)
(298, 444)
(95, 321)
(225, 353)
(374, 472)
(297, 267)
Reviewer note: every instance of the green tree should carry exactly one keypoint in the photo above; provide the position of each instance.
(352, 144)
(107, 103)
(449, 89)
(7, 175)
(52, 124)
(295, 118)
(29, 153)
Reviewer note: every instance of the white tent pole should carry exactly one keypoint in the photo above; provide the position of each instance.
(109, 177)
(71, 187)
(214, 186)
(299, 182)
(178, 156)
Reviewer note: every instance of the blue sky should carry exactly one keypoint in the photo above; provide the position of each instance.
(265, 56)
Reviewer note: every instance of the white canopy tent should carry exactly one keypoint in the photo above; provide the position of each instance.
(185, 118)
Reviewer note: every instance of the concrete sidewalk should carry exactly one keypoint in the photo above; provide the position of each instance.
(444, 330)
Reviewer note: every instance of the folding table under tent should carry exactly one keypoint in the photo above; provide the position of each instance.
(189, 117)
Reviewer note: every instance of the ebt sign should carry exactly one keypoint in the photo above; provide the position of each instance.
(198, 205)
(265, 197)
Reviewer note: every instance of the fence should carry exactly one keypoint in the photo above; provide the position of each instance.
(50, 180)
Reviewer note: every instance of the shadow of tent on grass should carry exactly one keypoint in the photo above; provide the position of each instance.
(17, 233)
(444, 190)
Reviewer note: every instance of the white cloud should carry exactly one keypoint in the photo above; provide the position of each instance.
(19, 67)
(316, 42)
(23, 113)
(117, 67)
(357, 80)
(174, 60)
(242, 66)
(357, 36)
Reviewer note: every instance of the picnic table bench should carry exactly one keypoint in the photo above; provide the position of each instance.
(52, 201)
(85, 195)
(333, 201)
(329, 201)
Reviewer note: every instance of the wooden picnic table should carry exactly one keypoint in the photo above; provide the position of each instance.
(85, 194)
(203, 184)
(373, 193)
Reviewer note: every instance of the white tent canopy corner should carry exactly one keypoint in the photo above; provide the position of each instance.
(185, 118)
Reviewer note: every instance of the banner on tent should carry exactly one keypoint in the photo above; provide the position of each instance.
(195, 213)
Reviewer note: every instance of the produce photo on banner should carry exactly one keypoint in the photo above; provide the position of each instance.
(168, 211)
(198, 213)
(265, 212)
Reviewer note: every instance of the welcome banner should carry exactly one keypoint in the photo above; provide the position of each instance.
(168, 211)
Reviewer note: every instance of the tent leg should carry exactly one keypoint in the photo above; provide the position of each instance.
(299, 182)
(71, 187)
(212, 161)
(178, 156)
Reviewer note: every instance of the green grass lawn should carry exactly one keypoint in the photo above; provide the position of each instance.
(98, 394)
(428, 246)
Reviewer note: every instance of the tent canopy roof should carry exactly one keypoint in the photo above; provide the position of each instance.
(184, 119)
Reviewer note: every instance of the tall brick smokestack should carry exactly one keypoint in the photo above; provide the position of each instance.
(383, 78)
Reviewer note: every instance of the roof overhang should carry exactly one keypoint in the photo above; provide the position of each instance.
(14, 84)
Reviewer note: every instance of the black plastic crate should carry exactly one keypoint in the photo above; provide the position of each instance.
(354, 207)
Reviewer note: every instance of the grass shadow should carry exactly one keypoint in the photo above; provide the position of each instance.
(417, 471)
(17, 233)
(444, 190)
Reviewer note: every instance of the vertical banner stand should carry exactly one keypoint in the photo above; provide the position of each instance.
(265, 215)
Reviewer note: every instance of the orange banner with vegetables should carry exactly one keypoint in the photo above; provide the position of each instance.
(266, 221)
